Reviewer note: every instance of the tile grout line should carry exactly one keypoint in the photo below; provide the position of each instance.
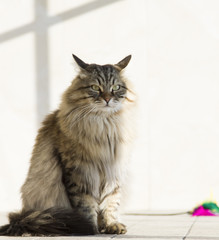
(184, 238)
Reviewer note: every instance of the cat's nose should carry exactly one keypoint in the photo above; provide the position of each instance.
(107, 99)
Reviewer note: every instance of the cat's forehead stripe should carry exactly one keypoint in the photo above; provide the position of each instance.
(105, 73)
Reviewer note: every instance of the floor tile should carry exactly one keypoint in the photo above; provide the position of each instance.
(205, 228)
(180, 227)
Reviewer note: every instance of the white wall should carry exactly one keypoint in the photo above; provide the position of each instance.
(174, 68)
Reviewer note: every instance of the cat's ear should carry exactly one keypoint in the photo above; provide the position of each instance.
(80, 63)
(124, 62)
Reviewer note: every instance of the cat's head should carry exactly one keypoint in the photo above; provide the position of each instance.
(100, 87)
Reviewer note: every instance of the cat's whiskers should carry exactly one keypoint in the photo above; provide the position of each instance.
(82, 115)
(76, 111)
(75, 116)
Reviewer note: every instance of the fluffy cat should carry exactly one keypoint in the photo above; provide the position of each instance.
(77, 167)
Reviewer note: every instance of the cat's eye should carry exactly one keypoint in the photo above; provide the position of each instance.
(115, 87)
(95, 88)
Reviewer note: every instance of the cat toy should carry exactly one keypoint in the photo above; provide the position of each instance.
(206, 209)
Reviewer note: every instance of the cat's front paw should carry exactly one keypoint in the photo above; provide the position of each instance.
(115, 228)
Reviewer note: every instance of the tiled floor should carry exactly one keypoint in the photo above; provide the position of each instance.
(154, 228)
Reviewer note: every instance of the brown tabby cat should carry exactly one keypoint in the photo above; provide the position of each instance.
(77, 169)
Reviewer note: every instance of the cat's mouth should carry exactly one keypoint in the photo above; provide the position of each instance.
(110, 106)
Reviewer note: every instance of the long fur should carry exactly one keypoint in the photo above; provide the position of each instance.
(78, 167)
(53, 221)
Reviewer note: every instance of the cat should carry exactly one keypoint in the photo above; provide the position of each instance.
(77, 168)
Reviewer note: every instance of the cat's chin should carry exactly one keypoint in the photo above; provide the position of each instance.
(110, 109)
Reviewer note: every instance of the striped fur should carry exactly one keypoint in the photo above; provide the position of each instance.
(77, 167)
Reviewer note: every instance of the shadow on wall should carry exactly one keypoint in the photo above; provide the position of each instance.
(40, 27)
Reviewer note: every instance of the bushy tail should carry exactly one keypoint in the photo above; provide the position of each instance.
(51, 222)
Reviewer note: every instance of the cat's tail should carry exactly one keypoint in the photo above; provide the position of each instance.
(51, 222)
